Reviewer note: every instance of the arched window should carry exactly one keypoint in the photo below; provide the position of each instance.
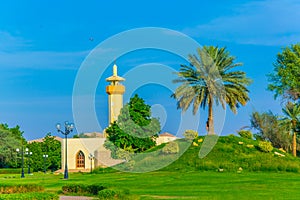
(80, 160)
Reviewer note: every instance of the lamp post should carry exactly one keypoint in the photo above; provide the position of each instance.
(28, 159)
(22, 157)
(45, 156)
(68, 129)
(91, 157)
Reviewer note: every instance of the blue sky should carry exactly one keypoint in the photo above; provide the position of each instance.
(43, 44)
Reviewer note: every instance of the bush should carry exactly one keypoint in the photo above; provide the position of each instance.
(114, 194)
(20, 188)
(9, 171)
(108, 194)
(265, 146)
(82, 189)
(94, 189)
(245, 134)
(170, 148)
(29, 196)
(190, 134)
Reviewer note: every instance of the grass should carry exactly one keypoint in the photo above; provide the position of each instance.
(263, 175)
(176, 185)
(231, 153)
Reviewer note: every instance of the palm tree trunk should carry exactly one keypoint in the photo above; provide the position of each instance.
(211, 129)
(294, 138)
(294, 144)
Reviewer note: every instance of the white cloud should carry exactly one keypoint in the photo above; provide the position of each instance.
(269, 22)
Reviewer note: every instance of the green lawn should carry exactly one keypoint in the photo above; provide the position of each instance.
(180, 185)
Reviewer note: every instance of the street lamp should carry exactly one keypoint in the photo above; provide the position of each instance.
(28, 159)
(45, 156)
(91, 157)
(22, 155)
(68, 129)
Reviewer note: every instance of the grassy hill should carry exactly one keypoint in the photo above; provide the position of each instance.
(231, 153)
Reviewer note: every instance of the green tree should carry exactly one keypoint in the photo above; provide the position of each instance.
(36, 159)
(285, 81)
(270, 128)
(292, 113)
(49, 146)
(10, 140)
(53, 149)
(210, 79)
(135, 130)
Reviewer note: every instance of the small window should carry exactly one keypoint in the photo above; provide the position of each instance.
(80, 160)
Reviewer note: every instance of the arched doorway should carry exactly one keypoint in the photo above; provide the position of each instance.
(80, 160)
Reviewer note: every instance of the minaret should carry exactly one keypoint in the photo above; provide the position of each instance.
(115, 93)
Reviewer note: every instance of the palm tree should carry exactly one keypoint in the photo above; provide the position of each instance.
(292, 113)
(210, 79)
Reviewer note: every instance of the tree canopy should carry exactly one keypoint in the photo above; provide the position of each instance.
(135, 130)
(292, 120)
(49, 146)
(10, 140)
(285, 80)
(271, 129)
(210, 79)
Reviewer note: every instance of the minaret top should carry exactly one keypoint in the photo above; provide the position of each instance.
(115, 70)
(115, 78)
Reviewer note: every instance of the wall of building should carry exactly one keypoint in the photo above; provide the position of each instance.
(86, 145)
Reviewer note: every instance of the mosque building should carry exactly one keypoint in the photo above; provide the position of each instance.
(86, 153)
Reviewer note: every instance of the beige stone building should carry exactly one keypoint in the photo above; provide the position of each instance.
(84, 153)
(164, 138)
(80, 151)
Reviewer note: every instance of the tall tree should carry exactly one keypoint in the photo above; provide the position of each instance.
(292, 113)
(49, 146)
(209, 80)
(270, 128)
(53, 149)
(285, 80)
(135, 130)
(10, 140)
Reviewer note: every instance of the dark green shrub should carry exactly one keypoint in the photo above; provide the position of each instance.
(9, 171)
(82, 189)
(74, 188)
(245, 134)
(20, 188)
(292, 168)
(265, 146)
(94, 189)
(108, 194)
(29, 196)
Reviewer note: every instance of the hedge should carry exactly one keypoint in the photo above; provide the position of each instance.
(20, 188)
(30, 196)
(82, 189)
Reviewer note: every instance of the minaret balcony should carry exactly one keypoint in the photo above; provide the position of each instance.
(115, 89)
